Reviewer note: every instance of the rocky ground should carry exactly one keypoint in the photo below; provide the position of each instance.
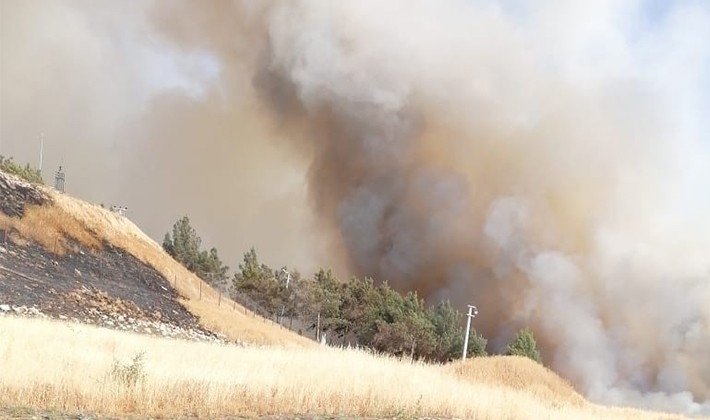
(16, 194)
(107, 287)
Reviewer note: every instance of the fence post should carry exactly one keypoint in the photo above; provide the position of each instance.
(200, 283)
(219, 302)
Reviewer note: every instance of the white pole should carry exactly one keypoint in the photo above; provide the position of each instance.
(472, 312)
(41, 151)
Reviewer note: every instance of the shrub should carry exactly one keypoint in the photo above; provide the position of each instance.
(129, 374)
(26, 172)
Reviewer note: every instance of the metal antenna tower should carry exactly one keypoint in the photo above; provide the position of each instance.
(59, 179)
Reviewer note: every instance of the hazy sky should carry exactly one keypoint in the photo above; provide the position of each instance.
(103, 86)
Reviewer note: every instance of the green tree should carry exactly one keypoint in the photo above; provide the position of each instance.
(323, 300)
(476, 345)
(210, 268)
(448, 330)
(167, 244)
(401, 326)
(260, 283)
(359, 310)
(184, 246)
(524, 345)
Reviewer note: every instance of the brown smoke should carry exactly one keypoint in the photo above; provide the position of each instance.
(539, 161)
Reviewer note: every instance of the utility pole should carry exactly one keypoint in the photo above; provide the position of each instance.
(472, 312)
(288, 280)
(41, 151)
(288, 277)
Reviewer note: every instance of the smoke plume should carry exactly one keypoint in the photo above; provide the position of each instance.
(543, 161)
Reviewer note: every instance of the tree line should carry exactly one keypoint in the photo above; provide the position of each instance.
(359, 311)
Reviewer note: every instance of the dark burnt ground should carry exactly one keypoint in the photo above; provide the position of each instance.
(16, 194)
(107, 286)
(89, 286)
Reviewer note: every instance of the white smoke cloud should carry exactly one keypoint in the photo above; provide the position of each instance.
(545, 159)
(577, 131)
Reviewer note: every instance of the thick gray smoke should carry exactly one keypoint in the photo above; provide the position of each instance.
(543, 160)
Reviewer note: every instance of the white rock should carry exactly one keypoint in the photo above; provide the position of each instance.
(5, 308)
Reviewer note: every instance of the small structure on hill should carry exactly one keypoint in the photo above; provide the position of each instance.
(59, 179)
(121, 210)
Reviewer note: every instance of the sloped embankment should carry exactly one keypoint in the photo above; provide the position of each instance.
(52, 266)
(67, 258)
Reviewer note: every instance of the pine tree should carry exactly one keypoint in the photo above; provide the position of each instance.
(184, 247)
(524, 345)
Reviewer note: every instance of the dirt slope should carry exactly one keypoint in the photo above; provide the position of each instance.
(65, 258)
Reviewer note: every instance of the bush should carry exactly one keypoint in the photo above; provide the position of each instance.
(129, 374)
(524, 345)
(26, 172)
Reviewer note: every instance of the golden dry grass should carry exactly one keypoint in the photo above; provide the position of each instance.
(50, 227)
(519, 373)
(53, 224)
(216, 313)
(49, 365)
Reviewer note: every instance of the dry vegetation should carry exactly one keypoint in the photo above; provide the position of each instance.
(216, 313)
(49, 226)
(55, 226)
(59, 225)
(49, 365)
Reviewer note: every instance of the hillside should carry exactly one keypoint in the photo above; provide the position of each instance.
(64, 258)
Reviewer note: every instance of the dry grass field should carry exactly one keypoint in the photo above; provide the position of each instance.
(66, 367)
(50, 365)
